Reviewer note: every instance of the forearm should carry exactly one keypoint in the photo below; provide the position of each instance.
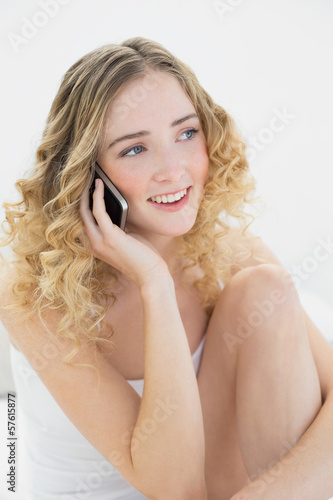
(306, 471)
(168, 439)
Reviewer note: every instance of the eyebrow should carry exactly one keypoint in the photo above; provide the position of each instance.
(181, 120)
(142, 133)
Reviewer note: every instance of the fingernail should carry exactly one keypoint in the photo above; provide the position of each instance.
(96, 183)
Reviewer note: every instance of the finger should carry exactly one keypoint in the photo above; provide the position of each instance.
(98, 198)
(85, 211)
(99, 210)
(90, 227)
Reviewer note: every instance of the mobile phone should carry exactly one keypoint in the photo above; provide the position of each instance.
(115, 204)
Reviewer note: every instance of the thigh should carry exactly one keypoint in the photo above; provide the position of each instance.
(278, 389)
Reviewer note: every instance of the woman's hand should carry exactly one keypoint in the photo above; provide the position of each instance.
(128, 253)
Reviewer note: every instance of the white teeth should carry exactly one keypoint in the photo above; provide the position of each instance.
(169, 198)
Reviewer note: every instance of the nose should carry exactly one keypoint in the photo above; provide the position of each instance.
(168, 166)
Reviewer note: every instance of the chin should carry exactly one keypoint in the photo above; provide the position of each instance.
(175, 230)
(171, 227)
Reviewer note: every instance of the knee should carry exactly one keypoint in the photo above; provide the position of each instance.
(261, 297)
(262, 288)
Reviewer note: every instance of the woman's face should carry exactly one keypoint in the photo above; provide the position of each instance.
(154, 151)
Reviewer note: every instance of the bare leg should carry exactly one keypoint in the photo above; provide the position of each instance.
(258, 382)
(278, 391)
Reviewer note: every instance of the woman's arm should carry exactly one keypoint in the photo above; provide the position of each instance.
(167, 444)
(172, 452)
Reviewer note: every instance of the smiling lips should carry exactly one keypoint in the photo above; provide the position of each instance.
(169, 198)
(171, 202)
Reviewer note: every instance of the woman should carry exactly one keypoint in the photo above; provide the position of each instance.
(237, 393)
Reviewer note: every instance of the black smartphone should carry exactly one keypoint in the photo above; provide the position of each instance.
(115, 204)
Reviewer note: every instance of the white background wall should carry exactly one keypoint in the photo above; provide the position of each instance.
(255, 57)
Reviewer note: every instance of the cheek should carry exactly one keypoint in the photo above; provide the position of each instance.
(202, 165)
(131, 185)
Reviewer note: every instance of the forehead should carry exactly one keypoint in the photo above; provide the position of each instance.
(156, 96)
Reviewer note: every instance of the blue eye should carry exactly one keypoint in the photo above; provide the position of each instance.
(189, 134)
(132, 151)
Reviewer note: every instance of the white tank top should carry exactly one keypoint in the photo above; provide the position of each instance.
(61, 464)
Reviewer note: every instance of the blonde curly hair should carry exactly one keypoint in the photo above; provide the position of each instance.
(54, 269)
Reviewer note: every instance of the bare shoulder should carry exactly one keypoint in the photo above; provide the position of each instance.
(249, 250)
